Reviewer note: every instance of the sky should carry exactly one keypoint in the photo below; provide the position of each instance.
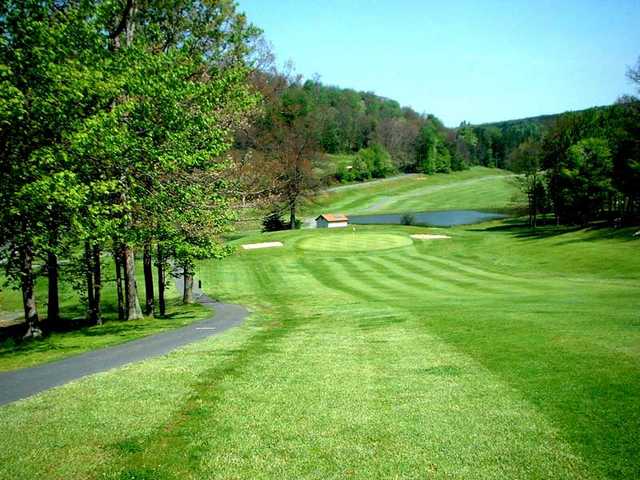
(478, 61)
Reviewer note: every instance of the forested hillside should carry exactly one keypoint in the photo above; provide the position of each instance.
(582, 166)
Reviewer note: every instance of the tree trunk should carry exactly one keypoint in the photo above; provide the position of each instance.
(88, 269)
(97, 286)
(292, 217)
(534, 212)
(117, 257)
(148, 280)
(161, 304)
(34, 329)
(133, 310)
(53, 305)
(187, 295)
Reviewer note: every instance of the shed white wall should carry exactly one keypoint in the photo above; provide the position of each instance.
(337, 224)
(322, 223)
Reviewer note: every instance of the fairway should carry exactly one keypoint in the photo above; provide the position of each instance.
(494, 354)
(478, 188)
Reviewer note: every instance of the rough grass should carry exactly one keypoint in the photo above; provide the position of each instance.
(337, 161)
(495, 354)
(478, 188)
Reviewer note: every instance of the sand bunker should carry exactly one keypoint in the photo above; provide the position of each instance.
(428, 236)
(254, 246)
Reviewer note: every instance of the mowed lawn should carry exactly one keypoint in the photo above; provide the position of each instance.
(494, 354)
(478, 188)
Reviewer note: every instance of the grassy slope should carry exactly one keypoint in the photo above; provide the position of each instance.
(479, 188)
(63, 344)
(491, 355)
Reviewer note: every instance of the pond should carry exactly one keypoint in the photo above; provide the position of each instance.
(444, 218)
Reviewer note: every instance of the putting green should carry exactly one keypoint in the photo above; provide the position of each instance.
(348, 241)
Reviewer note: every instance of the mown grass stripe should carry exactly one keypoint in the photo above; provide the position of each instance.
(422, 284)
(474, 280)
(472, 270)
(455, 285)
(355, 269)
(379, 276)
(323, 273)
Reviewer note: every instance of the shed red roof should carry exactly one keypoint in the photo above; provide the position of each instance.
(330, 217)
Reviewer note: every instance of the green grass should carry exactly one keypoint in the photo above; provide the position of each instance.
(493, 354)
(333, 163)
(61, 344)
(478, 188)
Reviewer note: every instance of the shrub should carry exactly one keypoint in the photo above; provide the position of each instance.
(344, 173)
(360, 169)
(273, 223)
(408, 219)
(377, 160)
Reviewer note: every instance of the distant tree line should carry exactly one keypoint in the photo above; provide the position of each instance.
(586, 167)
(581, 165)
(282, 152)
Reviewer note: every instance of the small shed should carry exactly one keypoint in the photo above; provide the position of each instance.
(328, 220)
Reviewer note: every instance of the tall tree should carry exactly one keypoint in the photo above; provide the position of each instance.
(586, 177)
(526, 159)
(183, 83)
(47, 83)
(287, 135)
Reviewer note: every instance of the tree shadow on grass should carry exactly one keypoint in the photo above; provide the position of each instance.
(600, 231)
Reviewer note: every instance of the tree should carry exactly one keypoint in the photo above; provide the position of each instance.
(377, 160)
(183, 91)
(433, 156)
(196, 210)
(102, 105)
(48, 51)
(586, 177)
(273, 222)
(288, 136)
(526, 159)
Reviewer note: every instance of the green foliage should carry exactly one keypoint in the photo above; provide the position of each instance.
(585, 179)
(408, 219)
(433, 152)
(526, 159)
(368, 163)
(590, 158)
(48, 84)
(360, 170)
(343, 173)
(273, 222)
(114, 122)
(376, 160)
